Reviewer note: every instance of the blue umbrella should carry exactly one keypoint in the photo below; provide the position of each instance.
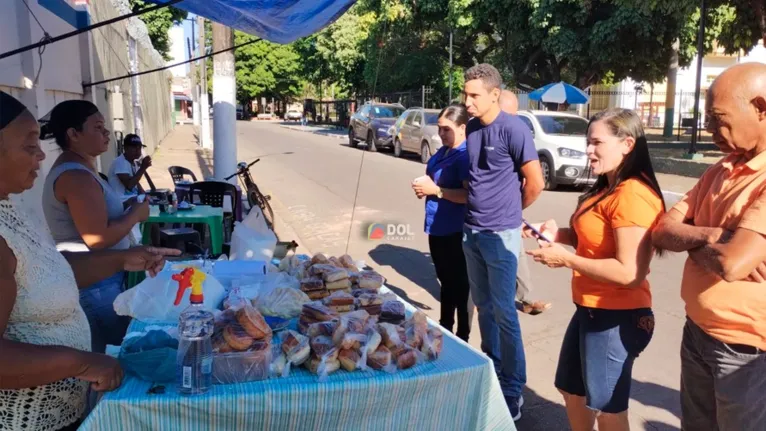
(559, 92)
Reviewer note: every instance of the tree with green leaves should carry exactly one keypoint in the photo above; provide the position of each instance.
(266, 69)
(158, 23)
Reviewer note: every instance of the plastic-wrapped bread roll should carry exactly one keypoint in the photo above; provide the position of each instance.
(330, 366)
(323, 347)
(349, 359)
(380, 358)
(373, 341)
(319, 258)
(335, 262)
(432, 345)
(391, 334)
(370, 280)
(237, 337)
(322, 328)
(344, 284)
(253, 322)
(406, 359)
(348, 263)
(318, 312)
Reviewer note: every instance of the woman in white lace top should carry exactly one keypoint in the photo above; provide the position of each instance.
(45, 361)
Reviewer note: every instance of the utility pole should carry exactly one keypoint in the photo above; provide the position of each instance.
(450, 67)
(203, 95)
(193, 79)
(224, 104)
(700, 56)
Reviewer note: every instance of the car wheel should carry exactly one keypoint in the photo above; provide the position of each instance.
(425, 152)
(371, 142)
(397, 147)
(351, 138)
(549, 176)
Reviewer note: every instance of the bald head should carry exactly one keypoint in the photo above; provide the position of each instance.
(508, 102)
(736, 109)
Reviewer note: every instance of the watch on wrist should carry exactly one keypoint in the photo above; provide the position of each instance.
(439, 193)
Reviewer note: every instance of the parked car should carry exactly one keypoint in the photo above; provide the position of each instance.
(416, 131)
(371, 123)
(293, 115)
(560, 142)
(240, 113)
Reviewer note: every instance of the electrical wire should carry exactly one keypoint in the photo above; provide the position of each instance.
(170, 66)
(41, 49)
(50, 40)
(361, 162)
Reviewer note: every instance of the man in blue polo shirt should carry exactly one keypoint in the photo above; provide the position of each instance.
(501, 154)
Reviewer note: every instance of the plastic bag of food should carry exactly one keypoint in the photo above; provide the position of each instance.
(153, 299)
(324, 358)
(322, 328)
(392, 312)
(416, 329)
(432, 344)
(150, 355)
(235, 300)
(328, 272)
(246, 366)
(381, 359)
(285, 302)
(392, 335)
(296, 347)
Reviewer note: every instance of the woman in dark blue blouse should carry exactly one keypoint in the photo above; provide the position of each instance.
(442, 186)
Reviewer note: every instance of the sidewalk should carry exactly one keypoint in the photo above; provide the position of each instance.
(181, 148)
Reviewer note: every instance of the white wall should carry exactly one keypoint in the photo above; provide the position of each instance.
(178, 50)
(93, 56)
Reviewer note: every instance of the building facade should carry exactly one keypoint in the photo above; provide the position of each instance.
(63, 70)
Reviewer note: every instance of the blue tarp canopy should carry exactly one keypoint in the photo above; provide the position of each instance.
(281, 21)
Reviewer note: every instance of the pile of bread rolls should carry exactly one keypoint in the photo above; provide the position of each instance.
(322, 277)
(329, 341)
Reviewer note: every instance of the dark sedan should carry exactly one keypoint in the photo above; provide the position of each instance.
(371, 124)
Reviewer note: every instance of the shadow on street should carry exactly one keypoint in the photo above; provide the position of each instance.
(414, 265)
(654, 395)
(541, 414)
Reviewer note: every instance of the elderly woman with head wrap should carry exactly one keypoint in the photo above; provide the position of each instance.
(45, 359)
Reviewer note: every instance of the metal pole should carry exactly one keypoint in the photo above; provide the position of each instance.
(423, 98)
(193, 79)
(203, 94)
(224, 104)
(700, 55)
(450, 66)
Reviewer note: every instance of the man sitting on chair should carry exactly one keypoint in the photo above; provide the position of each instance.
(125, 174)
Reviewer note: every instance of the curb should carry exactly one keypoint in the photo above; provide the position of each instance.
(316, 132)
(685, 168)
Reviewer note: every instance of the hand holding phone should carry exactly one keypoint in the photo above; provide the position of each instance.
(536, 233)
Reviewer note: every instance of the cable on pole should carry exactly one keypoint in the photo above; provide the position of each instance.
(170, 66)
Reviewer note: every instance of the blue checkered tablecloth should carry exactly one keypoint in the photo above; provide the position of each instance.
(458, 391)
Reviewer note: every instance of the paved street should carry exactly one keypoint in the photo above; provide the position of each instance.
(313, 180)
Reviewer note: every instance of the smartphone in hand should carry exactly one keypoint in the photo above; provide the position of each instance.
(537, 233)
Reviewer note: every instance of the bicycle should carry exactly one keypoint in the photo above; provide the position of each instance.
(254, 195)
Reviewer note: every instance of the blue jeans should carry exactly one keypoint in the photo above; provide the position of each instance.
(492, 260)
(598, 352)
(97, 300)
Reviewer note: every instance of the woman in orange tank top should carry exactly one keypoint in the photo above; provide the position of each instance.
(611, 233)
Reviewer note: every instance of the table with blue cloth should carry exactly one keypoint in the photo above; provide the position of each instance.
(457, 391)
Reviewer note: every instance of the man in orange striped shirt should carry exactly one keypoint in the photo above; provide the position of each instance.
(721, 223)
